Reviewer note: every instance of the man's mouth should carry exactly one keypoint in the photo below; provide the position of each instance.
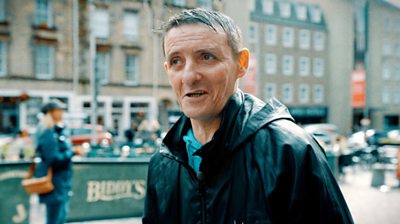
(196, 94)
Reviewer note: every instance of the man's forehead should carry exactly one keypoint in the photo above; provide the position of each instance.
(178, 37)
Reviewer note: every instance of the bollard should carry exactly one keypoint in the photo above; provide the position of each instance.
(378, 175)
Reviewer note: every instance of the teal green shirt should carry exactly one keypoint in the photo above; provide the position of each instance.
(192, 145)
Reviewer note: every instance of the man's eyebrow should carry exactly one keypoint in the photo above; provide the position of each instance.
(169, 55)
(210, 49)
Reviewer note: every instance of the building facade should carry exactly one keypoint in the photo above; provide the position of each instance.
(289, 42)
(383, 64)
(50, 48)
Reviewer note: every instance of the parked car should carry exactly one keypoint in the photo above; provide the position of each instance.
(83, 134)
(323, 132)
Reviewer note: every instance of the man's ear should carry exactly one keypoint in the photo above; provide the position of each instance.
(165, 66)
(243, 60)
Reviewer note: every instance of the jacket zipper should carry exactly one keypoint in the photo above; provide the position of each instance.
(203, 204)
(200, 182)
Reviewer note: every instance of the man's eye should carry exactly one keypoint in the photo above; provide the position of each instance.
(208, 57)
(175, 61)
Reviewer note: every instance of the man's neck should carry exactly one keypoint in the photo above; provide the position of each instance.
(204, 130)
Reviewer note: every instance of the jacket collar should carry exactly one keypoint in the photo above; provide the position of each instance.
(242, 117)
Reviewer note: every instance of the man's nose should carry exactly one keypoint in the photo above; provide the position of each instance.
(191, 74)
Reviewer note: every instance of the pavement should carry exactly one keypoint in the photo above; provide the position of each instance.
(370, 205)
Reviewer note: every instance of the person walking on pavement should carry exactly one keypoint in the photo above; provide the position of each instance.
(232, 158)
(55, 150)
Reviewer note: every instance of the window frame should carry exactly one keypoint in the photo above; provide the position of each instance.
(128, 27)
(101, 27)
(288, 37)
(3, 58)
(48, 14)
(208, 4)
(304, 39)
(38, 62)
(179, 3)
(3, 11)
(319, 41)
(285, 9)
(268, 7)
(386, 71)
(318, 67)
(321, 97)
(290, 67)
(289, 98)
(104, 66)
(270, 37)
(306, 71)
(304, 98)
(266, 93)
(316, 14)
(270, 69)
(128, 71)
(253, 39)
(301, 12)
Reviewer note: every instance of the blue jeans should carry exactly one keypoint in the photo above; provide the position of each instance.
(56, 213)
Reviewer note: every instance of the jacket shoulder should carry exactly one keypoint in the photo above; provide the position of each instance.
(289, 133)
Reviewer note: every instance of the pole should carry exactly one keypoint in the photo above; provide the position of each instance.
(93, 78)
(75, 45)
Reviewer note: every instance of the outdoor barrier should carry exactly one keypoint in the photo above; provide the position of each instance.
(102, 189)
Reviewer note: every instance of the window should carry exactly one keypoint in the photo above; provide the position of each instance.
(44, 61)
(304, 66)
(43, 13)
(270, 34)
(268, 7)
(3, 58)
(318, 69)
(304, 93)
(131, 25)
(287, 93)
(304, 39)
(301, 12)
(253, 33)
(386, 48)
(180, 3)
(386, 95)
(269, 91)
(397, 72)
(396, 96)
(101, 23)
(252, 5)
(131, 69)
(316, 15)
(287, 65)
(102, 67)
(270, 64)
(206, 4)
(288, 38)
(2, 10)
(319, 41)
(284, 9)
(318, 94)
(386, 71)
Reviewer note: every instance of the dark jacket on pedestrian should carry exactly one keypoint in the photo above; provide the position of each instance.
(260, 167)
(54, 149)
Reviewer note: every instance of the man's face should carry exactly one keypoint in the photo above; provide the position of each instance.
(202, 69)
(57, 115)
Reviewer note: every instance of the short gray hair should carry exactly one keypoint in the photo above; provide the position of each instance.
(209, 18)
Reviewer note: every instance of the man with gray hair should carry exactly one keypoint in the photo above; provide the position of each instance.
(232, 158)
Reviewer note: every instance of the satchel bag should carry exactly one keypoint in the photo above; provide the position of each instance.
(38, 185)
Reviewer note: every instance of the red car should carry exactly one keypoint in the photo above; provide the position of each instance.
(81, 135)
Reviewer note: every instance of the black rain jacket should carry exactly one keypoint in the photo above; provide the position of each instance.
(260, 167)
